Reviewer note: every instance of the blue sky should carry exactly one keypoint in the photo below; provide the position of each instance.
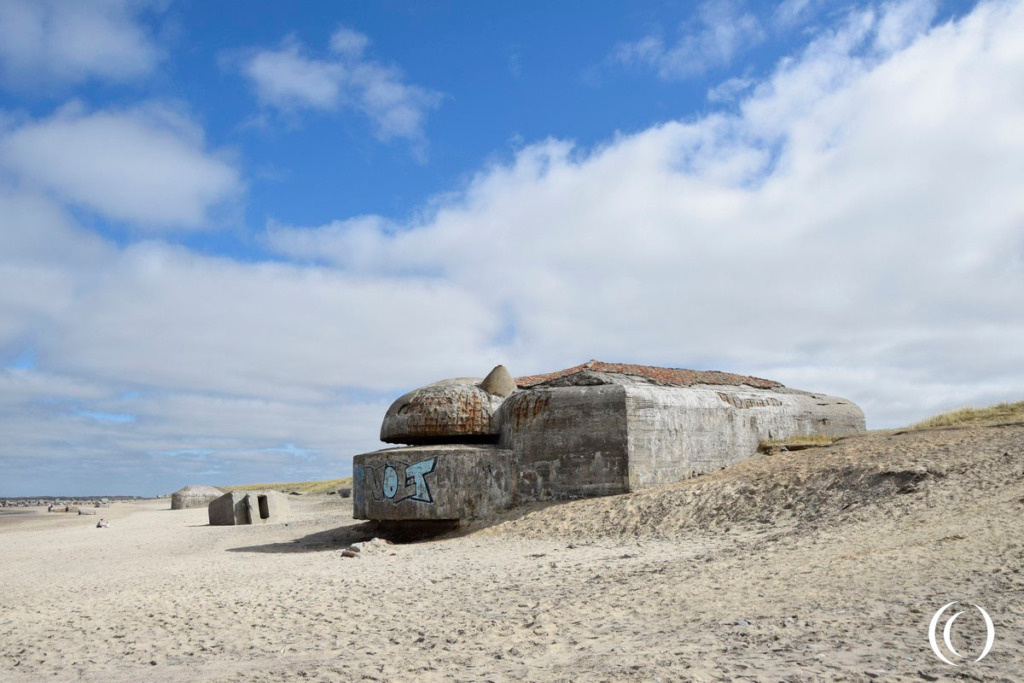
(235, 231)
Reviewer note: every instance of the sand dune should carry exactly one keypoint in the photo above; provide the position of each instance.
(824, 564)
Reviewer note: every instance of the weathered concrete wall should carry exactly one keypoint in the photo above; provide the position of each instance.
(454, 481)
(568, 441)
(675, 433)
(805, 413)
(249, 507)
(678, 432)
(268, 507)
(229, 509)
(614, 434)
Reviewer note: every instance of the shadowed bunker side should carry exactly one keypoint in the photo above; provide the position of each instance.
(481, 446)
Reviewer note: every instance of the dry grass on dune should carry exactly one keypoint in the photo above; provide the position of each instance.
(300, 486)
(1001, 413)
(809, 440)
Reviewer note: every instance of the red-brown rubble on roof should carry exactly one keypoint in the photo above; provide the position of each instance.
(674, 376)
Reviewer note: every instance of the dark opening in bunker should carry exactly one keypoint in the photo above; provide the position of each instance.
(264, 507)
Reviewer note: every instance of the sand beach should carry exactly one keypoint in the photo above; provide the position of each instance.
(821, 564)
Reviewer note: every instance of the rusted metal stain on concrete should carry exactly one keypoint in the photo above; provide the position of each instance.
(525, 408)
(440, 414)
(446, 415)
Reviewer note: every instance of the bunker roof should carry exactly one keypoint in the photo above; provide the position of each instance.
(672, 376)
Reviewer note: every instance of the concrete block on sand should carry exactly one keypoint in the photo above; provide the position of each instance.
(249, 507)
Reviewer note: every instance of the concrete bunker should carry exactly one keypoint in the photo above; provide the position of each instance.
(480, 446)
(248, 507)
(194, 497)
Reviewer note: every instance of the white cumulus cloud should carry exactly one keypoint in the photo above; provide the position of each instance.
(46, 42)
(855, 227)
(288, 79)
(147, 166)
(713, 38)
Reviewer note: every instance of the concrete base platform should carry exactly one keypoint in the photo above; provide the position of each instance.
(457, 481)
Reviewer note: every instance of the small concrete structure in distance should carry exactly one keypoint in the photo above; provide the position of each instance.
(249, 507)
(194, 497)
(480, 446)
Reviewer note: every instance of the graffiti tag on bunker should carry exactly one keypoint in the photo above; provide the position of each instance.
(400, 481)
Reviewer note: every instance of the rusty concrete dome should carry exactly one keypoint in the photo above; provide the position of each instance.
(450, 411)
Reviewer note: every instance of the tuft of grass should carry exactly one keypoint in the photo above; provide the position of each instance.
(997, 414)
(288, 486)
(805, 441)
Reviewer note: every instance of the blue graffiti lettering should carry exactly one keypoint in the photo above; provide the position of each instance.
(419, 473)
(390, 484)
(399, 481)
